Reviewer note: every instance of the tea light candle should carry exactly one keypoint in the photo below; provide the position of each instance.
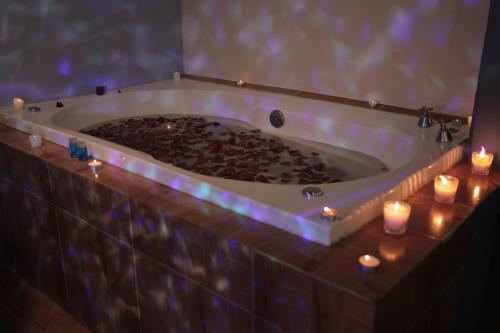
(481, 162)
(368, 262)
(328, 214)
(18, 103)
(35, 140)
(373, 103)
(445, 188)
(95, 165)
(396, 215)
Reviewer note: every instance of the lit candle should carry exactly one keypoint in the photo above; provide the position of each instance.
(328, 214)
(373, 103)
(176, 76)
(481, 162)
(396, 215)
(368, 262)
(35, 140)
(95, 165)
(445, 188)
(18, 103)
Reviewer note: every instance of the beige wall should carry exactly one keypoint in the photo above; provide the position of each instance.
(406, 53)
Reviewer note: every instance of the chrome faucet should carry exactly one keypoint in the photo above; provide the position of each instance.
(444, 134)
(425, 120)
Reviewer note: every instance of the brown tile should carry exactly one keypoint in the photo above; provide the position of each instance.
(221, 316)
(30, 240)
(441, 315)
(207, 215)
(416, 290)
(46, 151)
(495, 175)
(333, 309)
(64, 323)
(168, 302)
(33, 308)
(294, 301)
(8, 134)
(262, 326)
(94, 203)
(283, 296)
(13, 288)
(435, 219)
(399, 257)
(29, 172)
(9, 323)
(472, 189)
(223, 265)
(4, 162)
(100, 277)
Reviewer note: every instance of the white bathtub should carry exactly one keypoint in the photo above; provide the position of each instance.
(411, 153)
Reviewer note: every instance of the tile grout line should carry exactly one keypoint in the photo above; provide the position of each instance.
(59, 240)
(134, 261)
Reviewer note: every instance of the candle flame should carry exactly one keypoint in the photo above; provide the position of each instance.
(367, 257)
(483, 152)
(396, 206)
(326, 210)
(443, 180)
(95, 161)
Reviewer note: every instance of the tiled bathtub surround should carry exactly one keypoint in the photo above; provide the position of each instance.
(125, 254)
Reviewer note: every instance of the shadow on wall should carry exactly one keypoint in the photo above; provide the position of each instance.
(54, 48)
(405, 53)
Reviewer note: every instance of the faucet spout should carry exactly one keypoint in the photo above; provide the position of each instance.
(425, 120)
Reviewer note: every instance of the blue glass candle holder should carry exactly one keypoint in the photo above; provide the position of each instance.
(73, 147)
(83, 153)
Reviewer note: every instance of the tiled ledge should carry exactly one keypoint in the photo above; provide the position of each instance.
(316, 281)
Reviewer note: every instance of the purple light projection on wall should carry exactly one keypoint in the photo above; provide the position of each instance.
(353, 49)
(51, 49)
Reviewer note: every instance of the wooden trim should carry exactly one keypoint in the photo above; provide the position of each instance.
(323, 97)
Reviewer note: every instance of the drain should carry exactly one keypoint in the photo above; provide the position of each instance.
(277, 118)
(312, 192)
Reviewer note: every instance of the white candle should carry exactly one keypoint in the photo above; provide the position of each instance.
(396, 215)
(481, 162)
(35, 140)
(95, 165)
(445, 188)
(328, 214)
(176, 76)
(18, 103)
(368, 262)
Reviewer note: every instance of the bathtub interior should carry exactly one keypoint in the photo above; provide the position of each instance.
(320, 125)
